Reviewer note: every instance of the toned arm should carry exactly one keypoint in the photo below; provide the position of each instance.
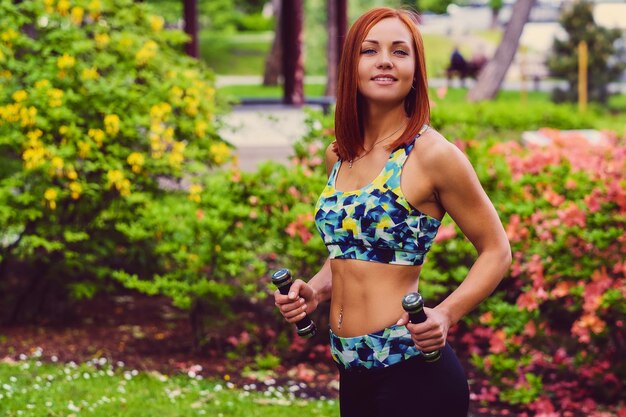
(459, 191)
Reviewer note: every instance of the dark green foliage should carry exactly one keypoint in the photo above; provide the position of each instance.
(607, 59)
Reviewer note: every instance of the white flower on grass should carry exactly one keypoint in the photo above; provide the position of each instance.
(218, 388)
(72, 407)
(23, 357)
(54, 358)
(48, 404)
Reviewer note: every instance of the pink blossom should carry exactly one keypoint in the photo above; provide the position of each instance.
(445, 233)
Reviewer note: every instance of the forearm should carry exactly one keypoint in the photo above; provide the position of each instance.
(322, 282)
(481, 281)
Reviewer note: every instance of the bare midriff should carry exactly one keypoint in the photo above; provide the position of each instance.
(367, 296)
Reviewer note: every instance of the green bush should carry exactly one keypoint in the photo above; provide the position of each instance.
(100, 109)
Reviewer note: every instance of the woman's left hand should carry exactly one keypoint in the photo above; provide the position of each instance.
(430, 335)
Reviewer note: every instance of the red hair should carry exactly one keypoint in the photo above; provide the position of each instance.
(350, 103)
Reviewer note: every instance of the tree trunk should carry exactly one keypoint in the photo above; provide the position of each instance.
(491, 77)
(190, 11)
(337, 19)
(274, 58)
(291, 17)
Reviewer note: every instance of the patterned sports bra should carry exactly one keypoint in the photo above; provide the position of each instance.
(375, 223)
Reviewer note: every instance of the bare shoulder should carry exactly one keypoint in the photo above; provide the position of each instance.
(437, 153)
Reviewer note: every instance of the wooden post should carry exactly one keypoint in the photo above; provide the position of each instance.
(191, 26)
(583, 60)
(291, 15)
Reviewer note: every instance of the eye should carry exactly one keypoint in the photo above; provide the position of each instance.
(367, 51)
(401, 52)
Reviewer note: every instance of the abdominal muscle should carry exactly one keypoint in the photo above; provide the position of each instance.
(367, 296)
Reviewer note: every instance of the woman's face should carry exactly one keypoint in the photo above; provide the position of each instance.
(386, 63)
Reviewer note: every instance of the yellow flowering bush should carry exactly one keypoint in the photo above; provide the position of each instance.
(99, 107)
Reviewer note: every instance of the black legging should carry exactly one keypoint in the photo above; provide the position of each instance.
(412, 388)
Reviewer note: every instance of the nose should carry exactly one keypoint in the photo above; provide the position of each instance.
(384, 61)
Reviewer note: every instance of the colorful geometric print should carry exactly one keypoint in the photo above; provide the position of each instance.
(375, 350)
(375, 223)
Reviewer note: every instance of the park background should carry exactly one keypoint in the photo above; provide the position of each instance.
(139, 225)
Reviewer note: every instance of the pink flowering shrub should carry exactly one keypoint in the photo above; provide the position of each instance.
(550, 340)
(552, 336)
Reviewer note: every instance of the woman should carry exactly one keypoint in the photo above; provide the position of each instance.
(392, 178)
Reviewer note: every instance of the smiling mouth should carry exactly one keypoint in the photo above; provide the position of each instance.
(384, 78)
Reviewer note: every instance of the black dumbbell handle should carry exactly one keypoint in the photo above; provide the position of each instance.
(282, 279)
(414, 305)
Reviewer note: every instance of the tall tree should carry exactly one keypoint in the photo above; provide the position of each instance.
(491, 77)
(273, 62)
(606, 62)
(291, 19)
(337, 20)
(190, 11)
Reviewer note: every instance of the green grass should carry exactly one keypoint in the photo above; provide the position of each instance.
(33, 389)
(239, 54)
(310, 90)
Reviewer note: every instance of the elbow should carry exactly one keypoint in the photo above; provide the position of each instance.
(506, 257)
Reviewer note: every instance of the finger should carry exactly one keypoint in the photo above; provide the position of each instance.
(404, 319)
(295, 289)
(296, 317)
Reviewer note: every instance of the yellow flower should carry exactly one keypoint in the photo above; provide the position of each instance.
(63, 6)
(77, 15)
(83, 149)
(76, 189)
(160, 111)
(71, 173)
(176, 157)
(20, 95)
(27, 116)
(90, 73)
(55, 97)
(146, 53)
(156, 23)
(66, 61)
(34, 135)
(9, 35)
(194, 192)
(221, 152)
(116, 178)
(57, 163)
(136, 161)
(35, 154)
(102, 40)
(94, 7)
(200, 128)
(97, 135)
(191, 105)
(51, 195)
(42, 84)
(48, 4)
(176, 95)
(112, 124)
(6, 74)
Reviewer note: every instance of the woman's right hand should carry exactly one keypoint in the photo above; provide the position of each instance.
(301, 300)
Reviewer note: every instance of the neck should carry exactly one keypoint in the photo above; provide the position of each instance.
(380, 122)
